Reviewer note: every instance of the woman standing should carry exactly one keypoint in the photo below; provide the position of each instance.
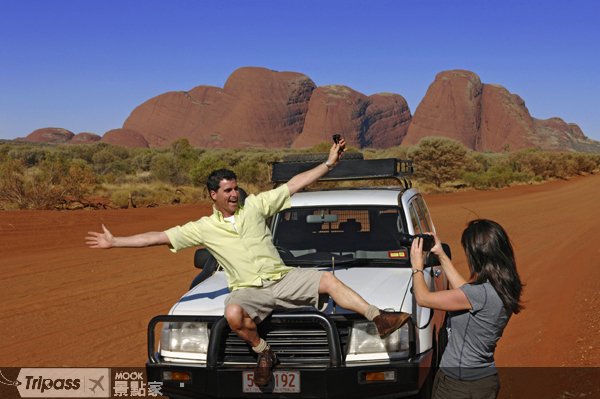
(478, 311)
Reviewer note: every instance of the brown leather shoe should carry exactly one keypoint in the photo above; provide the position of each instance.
(387, 322)
(263, 372)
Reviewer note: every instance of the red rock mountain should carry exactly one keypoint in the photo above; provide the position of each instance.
(85, 138)
(378, 121)
(258, 107)
(125, 137)
(49, 135)
(487, 117)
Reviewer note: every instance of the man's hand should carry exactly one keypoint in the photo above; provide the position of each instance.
(100, 240)
(307, 178)
(336, 151)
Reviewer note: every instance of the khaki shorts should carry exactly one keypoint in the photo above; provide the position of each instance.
(296, 289)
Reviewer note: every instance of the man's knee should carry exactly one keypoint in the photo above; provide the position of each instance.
(234, 314)
(328, 283)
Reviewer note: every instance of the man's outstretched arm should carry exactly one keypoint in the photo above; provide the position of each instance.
(106, 240)
(307, 178)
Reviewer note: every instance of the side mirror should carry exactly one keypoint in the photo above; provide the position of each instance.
(205, 261)
(431, 260)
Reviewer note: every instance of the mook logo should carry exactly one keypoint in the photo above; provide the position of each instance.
(64, 383)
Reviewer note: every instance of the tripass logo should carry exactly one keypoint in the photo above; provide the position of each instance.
(64, 383)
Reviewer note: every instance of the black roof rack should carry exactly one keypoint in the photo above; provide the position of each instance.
(360, 169)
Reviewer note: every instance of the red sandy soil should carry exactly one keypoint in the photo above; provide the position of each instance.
(65, 305)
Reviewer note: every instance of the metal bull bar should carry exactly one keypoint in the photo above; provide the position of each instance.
(220, 323)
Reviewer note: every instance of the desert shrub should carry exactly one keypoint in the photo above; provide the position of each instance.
(84, 152)
(476, 180)
(31, 156)
(594, 158)
(583, 163)
(118, 151)
(142, 160)
(181, 145)
(156, 194)
(437, 159)
(252, 172)
(186, 161)
(399, 152)
(102, 161)
(163, 168)
(174, 167)
(4, 150)
(499, 176)
(120, 168)
(531, 161)
(200, 172)
(110, 178)
(43, 187)
(522, 177)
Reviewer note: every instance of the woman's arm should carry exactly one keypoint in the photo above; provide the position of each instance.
(106, 240)
(449, 300)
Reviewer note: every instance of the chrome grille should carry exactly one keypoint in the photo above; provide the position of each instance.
(295, 342)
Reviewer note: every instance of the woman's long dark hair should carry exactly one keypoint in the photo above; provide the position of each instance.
(491, 258)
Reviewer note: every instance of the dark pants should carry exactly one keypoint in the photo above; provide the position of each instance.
(445, 387)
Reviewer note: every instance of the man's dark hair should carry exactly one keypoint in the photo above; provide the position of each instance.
(216, 176)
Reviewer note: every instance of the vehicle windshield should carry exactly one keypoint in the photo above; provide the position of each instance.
(353, 236)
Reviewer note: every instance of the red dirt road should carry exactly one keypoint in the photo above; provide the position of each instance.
(64, 304)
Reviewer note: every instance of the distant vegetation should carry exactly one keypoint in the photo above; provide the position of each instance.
(47, 177)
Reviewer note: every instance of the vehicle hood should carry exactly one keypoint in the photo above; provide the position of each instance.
(384, 287)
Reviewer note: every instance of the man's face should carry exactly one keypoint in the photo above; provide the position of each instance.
(226, 198)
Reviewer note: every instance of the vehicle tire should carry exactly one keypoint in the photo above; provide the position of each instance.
(320, 157)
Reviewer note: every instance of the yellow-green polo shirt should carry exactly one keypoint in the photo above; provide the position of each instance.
(248, 257)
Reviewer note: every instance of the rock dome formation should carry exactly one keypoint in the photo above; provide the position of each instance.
(49, 135)
(258, 107)
(85, 138)
(487, 117)
(125, 137)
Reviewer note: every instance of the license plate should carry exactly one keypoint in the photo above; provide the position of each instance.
(282, 382)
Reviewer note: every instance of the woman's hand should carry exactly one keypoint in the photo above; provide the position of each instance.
(416, 254)
(437, 249)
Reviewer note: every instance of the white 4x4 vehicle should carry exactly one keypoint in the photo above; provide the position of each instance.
(353, 232)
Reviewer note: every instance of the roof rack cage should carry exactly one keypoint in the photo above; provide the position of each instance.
(360, 169)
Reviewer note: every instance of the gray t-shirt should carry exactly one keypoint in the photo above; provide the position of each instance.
(472, 334)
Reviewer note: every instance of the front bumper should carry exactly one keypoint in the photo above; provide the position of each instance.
(336, 380)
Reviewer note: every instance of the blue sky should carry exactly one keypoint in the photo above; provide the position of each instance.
(85, 65)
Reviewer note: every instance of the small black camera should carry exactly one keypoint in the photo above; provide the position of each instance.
(428, 241)
(336, 138)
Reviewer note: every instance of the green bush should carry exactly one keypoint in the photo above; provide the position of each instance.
(437, 159)
(200, 172)
(31, 156)
(252, 172)
(45, 186)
